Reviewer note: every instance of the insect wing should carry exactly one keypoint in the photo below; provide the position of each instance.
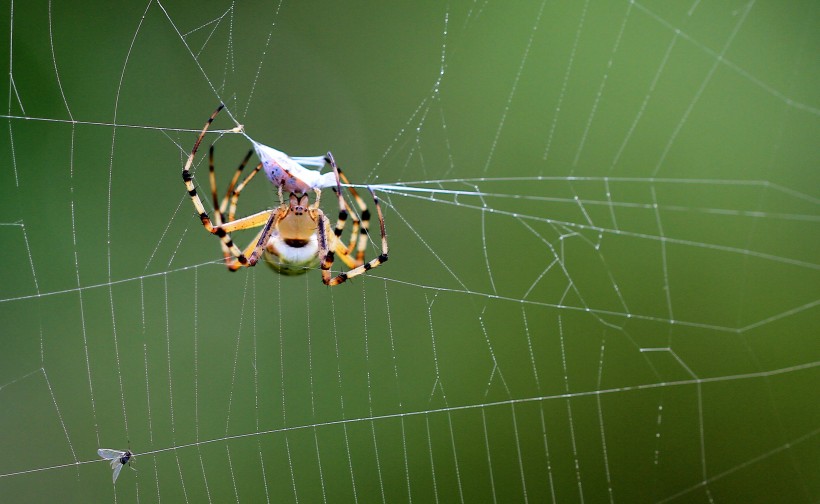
(110, 454)
(113, 456)
(117, 469)
(316, 161)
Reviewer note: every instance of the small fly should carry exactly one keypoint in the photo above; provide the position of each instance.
(118, 459)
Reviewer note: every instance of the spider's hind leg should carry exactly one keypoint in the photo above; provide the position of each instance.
(365, 267)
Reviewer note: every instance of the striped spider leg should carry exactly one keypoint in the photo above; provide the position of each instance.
(296, 235)
(231, 197)
(357, 264)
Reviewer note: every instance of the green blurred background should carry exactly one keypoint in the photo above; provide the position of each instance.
(605, 292)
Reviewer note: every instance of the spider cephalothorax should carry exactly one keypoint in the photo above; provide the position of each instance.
(295, 236)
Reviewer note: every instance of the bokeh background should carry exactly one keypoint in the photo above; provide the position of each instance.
(603, 280)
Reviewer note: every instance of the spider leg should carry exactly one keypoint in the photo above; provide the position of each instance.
(344, 212)
(223, 205)
(218, 212)
(212, 177)
(249, 222)
(327, 262)
(234, 192)
(232, 196)
(343, 250)
(358, 234)
(256, 246)
(187, 178)
(269, 219)
(264, 235)
(325, 253)
(335, 243)
(340, 221)
(252, 221)
(363, 235)
(344, 254)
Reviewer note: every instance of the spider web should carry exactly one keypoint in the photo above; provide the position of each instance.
(603, 284)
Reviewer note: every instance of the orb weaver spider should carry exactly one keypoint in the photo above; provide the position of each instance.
(295, 236)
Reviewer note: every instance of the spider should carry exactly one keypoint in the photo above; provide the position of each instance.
(296, 235)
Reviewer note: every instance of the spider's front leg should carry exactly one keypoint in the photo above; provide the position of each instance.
(325, 251)
(222, 226)
(188, 180)
(317, 201)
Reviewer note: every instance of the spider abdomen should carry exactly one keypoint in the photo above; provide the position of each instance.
(292, 257)
(295, 243)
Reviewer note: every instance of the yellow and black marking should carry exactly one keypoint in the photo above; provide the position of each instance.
(232, 193)
(362, 268)
(232, 186)
(342, 219)
(330, 245)
(360, 233)
(187, 178)
(231, 196)
(325, 253)
(264, 235)
(344, 250)
(365, 220)
(218, 216)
